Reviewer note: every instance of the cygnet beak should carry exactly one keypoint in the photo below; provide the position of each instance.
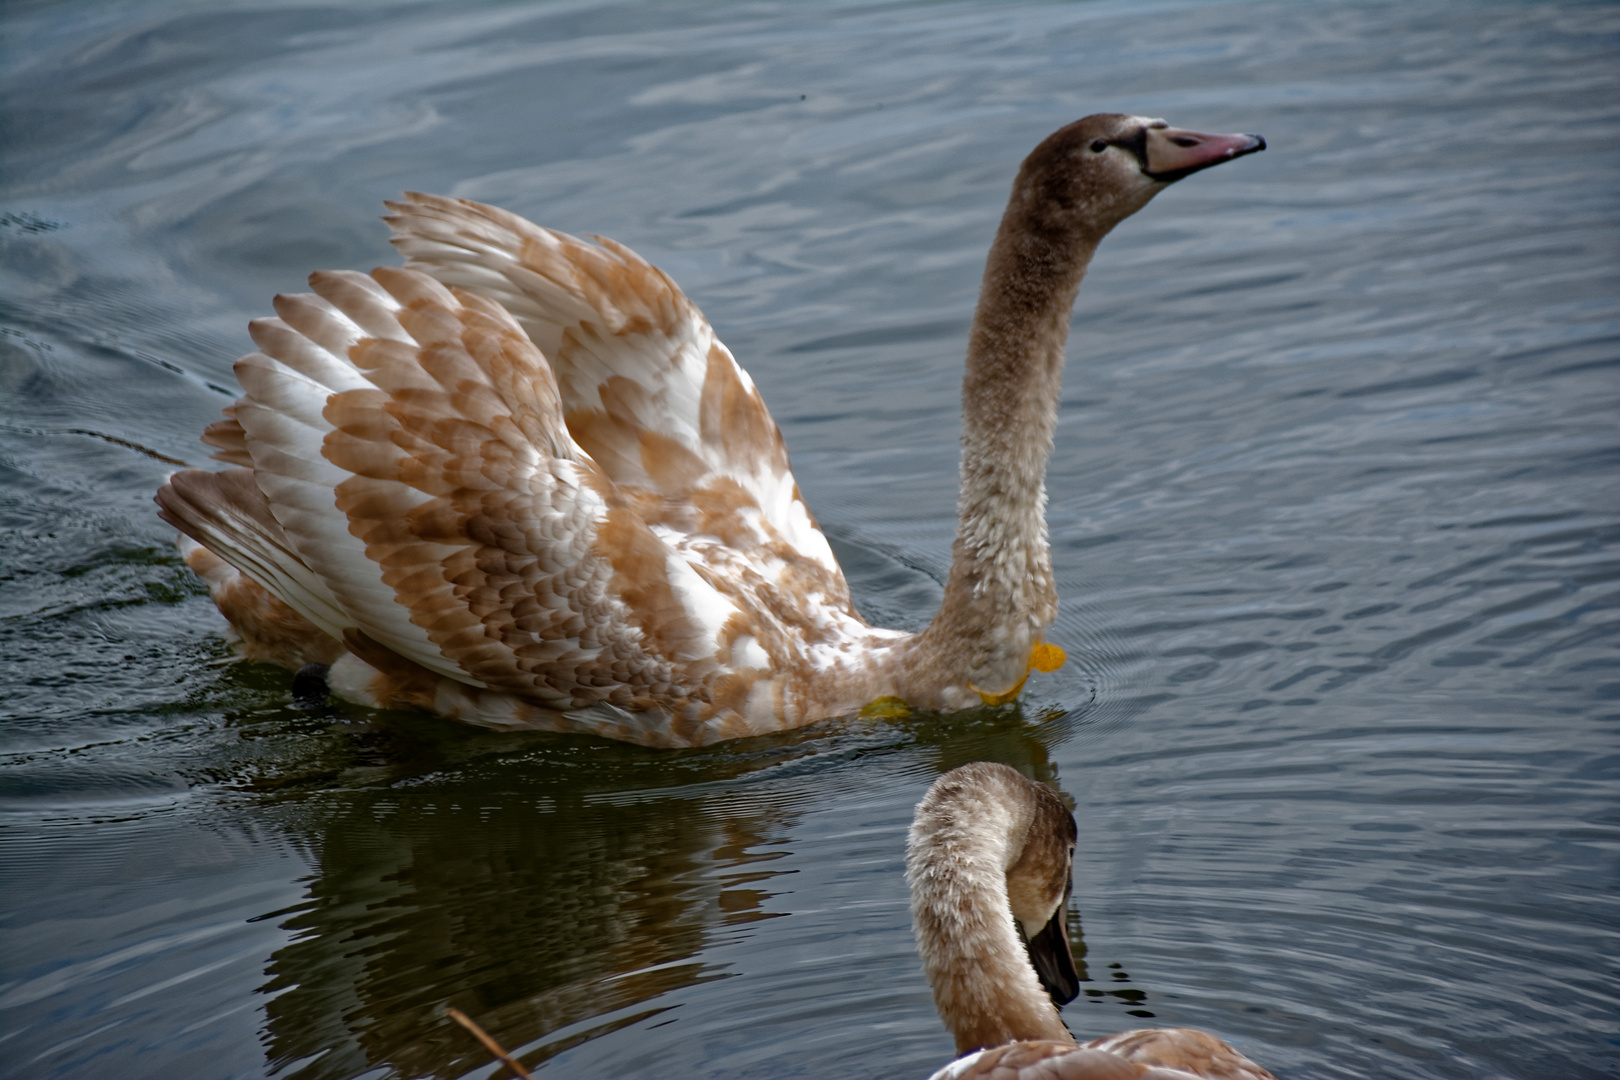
(1173, 153)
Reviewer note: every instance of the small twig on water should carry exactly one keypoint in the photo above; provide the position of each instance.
(489, 1044)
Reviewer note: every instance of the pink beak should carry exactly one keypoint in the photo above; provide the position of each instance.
(1173, 153)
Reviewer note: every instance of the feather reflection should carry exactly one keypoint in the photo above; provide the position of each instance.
(553, 889)
(531, 913)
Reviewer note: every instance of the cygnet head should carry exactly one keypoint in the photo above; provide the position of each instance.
(1038, 887)
(1091, 175)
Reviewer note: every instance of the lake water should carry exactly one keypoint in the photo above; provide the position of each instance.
(1334, 510)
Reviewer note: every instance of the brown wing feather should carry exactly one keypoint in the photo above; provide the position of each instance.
(267, 630)
(413, 487)
(506, 543)
(609, 522)
(647, 389)
(227, 514)
(228, 440)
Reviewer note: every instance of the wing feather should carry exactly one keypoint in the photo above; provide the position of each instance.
(648, 390)
(283, 416)
(228, 440)
(414, 486)
(228, 514)
(525, 463)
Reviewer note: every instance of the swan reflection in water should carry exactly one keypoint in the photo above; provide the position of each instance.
(577, 896)
(554, 890)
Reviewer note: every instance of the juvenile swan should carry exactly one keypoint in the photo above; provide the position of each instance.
(521, 483)
(989, 858)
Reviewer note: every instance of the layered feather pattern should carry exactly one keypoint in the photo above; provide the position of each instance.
(606, 537)
(647, 389)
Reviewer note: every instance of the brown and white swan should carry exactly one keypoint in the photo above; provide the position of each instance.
(521, 483)
(990, 855)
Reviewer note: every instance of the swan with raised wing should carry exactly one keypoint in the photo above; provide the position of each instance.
(521, 483)
(991, 855)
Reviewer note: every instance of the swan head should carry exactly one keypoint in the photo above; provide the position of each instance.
(988, 860)
(1091, 175)
(1038, 887)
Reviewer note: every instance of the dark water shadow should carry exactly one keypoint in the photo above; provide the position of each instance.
(554, 888)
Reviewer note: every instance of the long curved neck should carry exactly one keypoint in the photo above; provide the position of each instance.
(965, 838)
(1000, 594)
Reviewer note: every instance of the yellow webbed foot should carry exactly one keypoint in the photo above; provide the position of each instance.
(1043, 657)
(885, 708)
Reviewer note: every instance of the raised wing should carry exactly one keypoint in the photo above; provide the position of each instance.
(413, 483)
(647, 389)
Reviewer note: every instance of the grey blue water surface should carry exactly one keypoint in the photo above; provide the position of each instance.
(1333, 507)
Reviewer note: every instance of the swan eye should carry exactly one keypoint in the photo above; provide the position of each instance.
(1099, 146)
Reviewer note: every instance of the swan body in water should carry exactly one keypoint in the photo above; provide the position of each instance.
(521, 483)
(991, 854)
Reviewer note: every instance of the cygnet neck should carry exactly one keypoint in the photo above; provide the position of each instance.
(969, 831)
(1000, 595)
